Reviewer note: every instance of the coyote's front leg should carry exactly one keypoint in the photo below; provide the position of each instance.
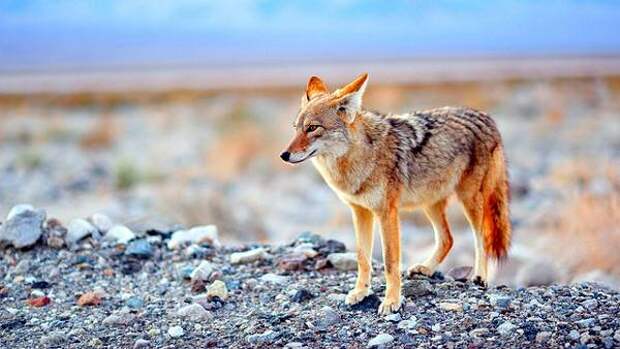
(363, 222)
(390, 238)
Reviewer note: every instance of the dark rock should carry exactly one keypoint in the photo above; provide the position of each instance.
(141, 249)
(417, 288)
(302, 295)
(40, 285)
(291, 262)
(370, 303)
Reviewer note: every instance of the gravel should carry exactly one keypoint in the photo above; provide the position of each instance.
(102, 295)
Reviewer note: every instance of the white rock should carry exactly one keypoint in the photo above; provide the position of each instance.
(451, 306)
(409, 324)
(78, 229)
(17, 209)
(381, 339)
(202, 272)
(203, 234)
(306, 249)
(102, 222)
(506, 329)
(248, 256)
(274, 279)
(217, 289)
(343, 261)
(194, 312)
(120, 234)
(176, 331)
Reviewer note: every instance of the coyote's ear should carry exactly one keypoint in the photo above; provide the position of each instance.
(316, 86)
(351, 97)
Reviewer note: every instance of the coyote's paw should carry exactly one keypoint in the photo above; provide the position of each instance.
(420, 269)
(357, 295)
(478, 280)
(389, 306)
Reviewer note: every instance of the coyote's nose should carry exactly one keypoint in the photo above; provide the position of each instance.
(285, 156)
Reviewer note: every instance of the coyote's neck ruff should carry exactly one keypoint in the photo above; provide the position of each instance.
(381, 164)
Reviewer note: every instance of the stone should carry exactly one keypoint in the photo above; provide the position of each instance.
(194, 312)
(274, 279)
(450, 306)
(543, 337)
(370, 303)
(346, 261)
(54, 339)
(590, 304)
(500, 301)
(507, 329)
(306, 249)
(176, 331)
(89, 298)
(141, 249)
(290, 262)
(19, 209)
(393, 317)
(332, 246)
(461, 273)
(248, 256)
(101, 222)
(134, 302)
(119, 319)
(380, 340)
(198, 235)
(263, 338)
(479, 332)
(301, 296)
(120, 234)
(77, 230)
(141, 344)
(55, 233)
(327, 318)
(217, 289)
(202, 272)
(574, 335)
(409, 324)
(39, 302)
(23, 228)
(586, 322)
(417, 288)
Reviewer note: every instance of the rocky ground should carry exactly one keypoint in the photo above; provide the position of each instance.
(96, 284)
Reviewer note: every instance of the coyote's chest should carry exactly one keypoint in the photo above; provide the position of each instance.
(353, 184)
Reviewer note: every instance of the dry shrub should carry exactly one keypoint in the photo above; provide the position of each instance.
(587, 233)
(102, 135)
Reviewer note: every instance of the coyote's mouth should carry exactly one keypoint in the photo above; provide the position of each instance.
(304, 159)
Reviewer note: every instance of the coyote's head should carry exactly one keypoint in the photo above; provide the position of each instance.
(325, 119)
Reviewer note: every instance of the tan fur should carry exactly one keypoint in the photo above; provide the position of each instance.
(382, 164)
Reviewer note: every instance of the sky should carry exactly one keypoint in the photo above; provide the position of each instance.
(144, 34)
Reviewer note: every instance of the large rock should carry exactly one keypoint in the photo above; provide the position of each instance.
(343, 261)
(197, 235)
(24, 226)
(79, 229)
(102, 222)
(248, 256)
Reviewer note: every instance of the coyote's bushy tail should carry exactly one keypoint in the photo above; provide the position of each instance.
(495, 218)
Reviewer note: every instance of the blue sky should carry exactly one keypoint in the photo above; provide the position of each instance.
(107, 34)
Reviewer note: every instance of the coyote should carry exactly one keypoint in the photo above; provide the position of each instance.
(381, 164)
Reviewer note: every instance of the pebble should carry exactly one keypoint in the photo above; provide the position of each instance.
(590, 304)
(202, 272)
(274, 279)
(417, 288)
(449, 306)
(89, 298)
(306, 249)
(217, 289)
(120, 234)
(263, 338)
(346, 261)
(176, 331)
(134, 302)
(500, 301)
(506, 329)
(290, 262)
(102, 222)
(301, 296)
(543, 337)
(194, 312)
(327, 318)
(479, 332)
(198, 235)
(393, 317)
(140, 249)
(77, 230)
(141, 344)
(39, 302)
(24, 227)
(380, 340)
(248, 256)
(574, 335)
(409, 324)
(119, 319)
(54, 339)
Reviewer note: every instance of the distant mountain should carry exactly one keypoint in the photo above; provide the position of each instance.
(108, 34)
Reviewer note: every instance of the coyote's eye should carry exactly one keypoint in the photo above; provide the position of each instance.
(342, 109)
(311, 128)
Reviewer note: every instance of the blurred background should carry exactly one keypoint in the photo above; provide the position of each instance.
(175, 112)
